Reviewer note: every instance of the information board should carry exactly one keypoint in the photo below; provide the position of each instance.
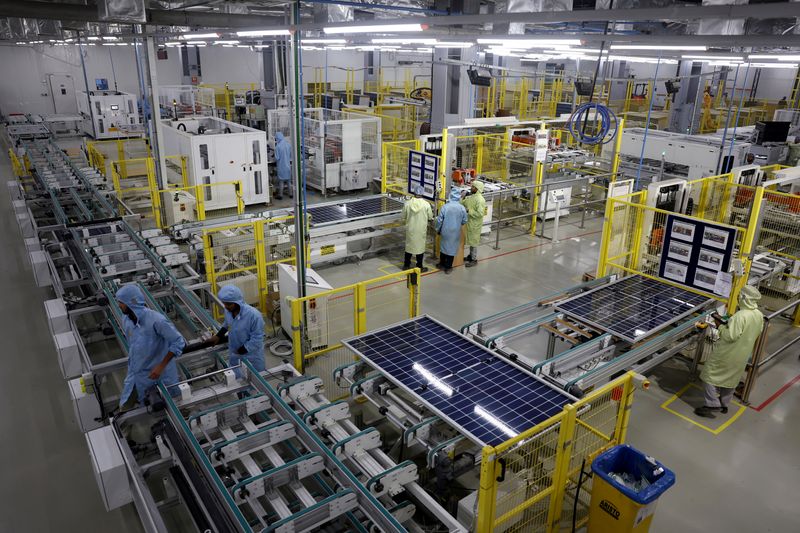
(423, 174)
(697, 254)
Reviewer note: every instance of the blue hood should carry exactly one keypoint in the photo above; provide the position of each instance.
(132, 296)
(231, 294)
(278, 137)
(455, 195)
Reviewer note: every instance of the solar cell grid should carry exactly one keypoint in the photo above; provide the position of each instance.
(632, 308)
(489, 399)
(376, 205)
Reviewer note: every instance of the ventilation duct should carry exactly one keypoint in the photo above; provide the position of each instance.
(722, 26)
(122, 10)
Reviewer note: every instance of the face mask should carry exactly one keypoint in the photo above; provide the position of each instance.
(129, 312)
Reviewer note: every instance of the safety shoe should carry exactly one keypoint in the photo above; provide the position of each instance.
(448, 270)
(423, 269)
(439, 266)
(723, 409)
(705, 412)
(470, 263)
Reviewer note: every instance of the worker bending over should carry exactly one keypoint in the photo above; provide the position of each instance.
(243, 328)
(728, 359)
(416, 215)
(153, 345)
(476, 210)
(283, 164)
(451, 217)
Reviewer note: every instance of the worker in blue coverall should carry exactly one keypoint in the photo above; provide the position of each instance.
(243, 329)
(451, 217)
(153, 345)
(283, 163)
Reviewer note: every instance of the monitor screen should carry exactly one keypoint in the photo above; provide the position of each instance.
(101, 84)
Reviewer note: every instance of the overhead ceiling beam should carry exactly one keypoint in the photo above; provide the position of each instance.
(83, 13)
(677, 12)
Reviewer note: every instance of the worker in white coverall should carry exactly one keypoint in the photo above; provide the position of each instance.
(417, 213)
(728, 359)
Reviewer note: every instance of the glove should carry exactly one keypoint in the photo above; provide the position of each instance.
(242, 350)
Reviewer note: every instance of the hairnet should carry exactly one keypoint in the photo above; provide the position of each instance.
(749, 297)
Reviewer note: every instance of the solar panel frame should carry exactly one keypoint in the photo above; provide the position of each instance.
(489, 361)
(325, 214)
(628, 333)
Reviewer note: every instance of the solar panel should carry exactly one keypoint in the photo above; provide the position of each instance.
(490, 400)
(364, 207)
(632, 308)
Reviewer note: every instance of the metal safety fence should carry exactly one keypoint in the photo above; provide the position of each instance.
(533, 482)
(322, 320)
(394, 166)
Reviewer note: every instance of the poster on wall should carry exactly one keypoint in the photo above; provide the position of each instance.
(423, 174)
(697, 254)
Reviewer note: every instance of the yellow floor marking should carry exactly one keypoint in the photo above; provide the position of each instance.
(384, 267)
(717, 431)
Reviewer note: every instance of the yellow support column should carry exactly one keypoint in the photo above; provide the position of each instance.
(535, 194)
(605, 240)
(200, 205)
(121, 159)
(211, 270)
(479, 159)
(617, 146)
(297, 342)
(413, 294)
(487, 491)
(360, 309)
(637, 237)
(562, 463)
(745, 254)
(621, 429)
(155, 196)
(261, 263)
(384, 166)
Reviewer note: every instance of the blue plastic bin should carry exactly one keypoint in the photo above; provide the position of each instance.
(615, 507)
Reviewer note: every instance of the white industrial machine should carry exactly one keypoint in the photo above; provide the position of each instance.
(792, 116)
(109, 114)
(221, 152)
(179, 207)
(343, 150)
(179, 101)
(680, 155)
(316, 312)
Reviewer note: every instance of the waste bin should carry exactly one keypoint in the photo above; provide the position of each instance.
(625, 490)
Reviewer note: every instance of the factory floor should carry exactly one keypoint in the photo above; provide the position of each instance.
(737, 479)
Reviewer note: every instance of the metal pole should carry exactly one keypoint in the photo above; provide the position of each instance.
(544, 211)
(295, 95)
(727, 123)
(155, 115)
(82, 50)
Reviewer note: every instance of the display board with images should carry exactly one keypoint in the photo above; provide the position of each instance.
(697, 254)
(423, 174)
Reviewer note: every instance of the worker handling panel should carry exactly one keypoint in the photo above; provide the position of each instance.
(327, 214)
(488, 399)
(632, 308)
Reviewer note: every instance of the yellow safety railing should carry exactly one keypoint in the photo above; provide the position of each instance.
(322, 320)
(394, 124)
(226, 96)
(529, 482)
(16, 166)
(394, 166)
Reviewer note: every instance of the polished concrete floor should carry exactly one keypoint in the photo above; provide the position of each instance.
(740, 479)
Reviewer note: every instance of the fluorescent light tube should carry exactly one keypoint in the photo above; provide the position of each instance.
(454, 45)
(531, 43)
(323, 41)
(199, 36)
(657, 47)
(260, 33)
(401, 40)
(388, 28)
(110, 38)
(195, 43)
(226, 42)
(715, 58)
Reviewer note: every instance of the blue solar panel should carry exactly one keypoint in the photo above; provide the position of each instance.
(363, 207)
(633, 308)
(489, 399)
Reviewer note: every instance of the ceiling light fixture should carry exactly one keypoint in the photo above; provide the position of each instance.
(226, 42)
(715, 58)
(195, 43)
(402, 40)
(454, 45)
(387, 28)
(323, 41)
(689, 48)
(531, 43)
(189, 36)
(261, 33)
(110, 38)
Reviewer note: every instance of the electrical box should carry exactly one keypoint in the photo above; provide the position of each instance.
(57, 316)
(556, 201)
(220, 152)
(69, 356)
(109, 468)
(316, 311)
(179, 207)
(110, 114)
(85, 405)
